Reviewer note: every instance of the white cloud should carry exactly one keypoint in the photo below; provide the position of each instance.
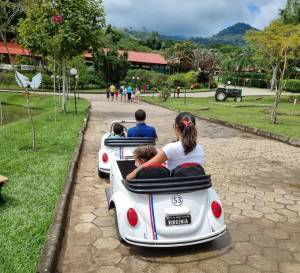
(190, 17)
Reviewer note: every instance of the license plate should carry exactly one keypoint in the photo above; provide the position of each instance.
(178, 220)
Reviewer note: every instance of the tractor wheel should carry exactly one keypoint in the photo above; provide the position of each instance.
(221, 95)
(238, 99)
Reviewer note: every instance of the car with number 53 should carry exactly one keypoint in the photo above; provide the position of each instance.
(163, 209)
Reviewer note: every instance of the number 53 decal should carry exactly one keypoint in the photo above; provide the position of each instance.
(177, 200)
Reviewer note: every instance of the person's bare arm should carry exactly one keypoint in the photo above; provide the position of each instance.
(159, 158)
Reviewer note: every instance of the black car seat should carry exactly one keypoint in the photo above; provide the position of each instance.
(153, 171)
(188, 169)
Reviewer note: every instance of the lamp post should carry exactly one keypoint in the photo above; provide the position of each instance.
(73, 72)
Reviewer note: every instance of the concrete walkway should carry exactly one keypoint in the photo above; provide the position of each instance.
(257, 179)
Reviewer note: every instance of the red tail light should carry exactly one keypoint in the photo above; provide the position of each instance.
(132, 217)
(216, 209)
(105, 157)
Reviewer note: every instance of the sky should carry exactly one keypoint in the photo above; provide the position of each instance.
(190, 17)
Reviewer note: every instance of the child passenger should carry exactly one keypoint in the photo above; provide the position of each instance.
(143, 154)
(118, 131)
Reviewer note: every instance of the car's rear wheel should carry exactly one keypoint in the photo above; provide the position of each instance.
(221, 95)
(117, 229)
(102, 174)
(238, 99)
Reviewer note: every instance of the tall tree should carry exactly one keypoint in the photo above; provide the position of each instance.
(279, 44)
(206, 60)
(179, 55)
(62, 28)
(111, 64)
(291, 14)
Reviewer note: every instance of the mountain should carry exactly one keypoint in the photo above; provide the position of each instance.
(233, 35)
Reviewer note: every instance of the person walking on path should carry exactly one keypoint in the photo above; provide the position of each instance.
(137, 94)
(129, 92)
(107, 94)
(125, 93)
(121, 92)
(112, 90)
(117, 93)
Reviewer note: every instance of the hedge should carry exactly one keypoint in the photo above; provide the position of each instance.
(292, 85)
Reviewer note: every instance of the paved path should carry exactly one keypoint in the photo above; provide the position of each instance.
(257, 179)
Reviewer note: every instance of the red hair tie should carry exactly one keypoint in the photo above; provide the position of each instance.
(187, 123)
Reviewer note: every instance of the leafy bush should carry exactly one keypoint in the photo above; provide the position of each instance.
(141, 77)
(176, 80)
(190, 78)
(292, 85)
(165, 93)
(213, 85)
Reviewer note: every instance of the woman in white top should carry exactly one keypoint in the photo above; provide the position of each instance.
(185, 150)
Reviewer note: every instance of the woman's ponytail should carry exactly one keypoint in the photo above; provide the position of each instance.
(187, 125)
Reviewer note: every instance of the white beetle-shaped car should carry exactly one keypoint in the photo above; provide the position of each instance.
(120, 148)
(176, 209)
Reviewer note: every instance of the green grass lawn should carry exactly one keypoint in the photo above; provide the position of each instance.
(258, 117)
(36, 178)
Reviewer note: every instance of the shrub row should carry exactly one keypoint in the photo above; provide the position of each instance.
(292, 85)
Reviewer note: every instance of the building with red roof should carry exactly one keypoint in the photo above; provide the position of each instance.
(144, 60)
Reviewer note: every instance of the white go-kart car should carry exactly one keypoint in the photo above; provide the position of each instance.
(163, 209)
(120, 148)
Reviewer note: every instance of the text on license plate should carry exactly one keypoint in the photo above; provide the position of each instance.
(178, 220)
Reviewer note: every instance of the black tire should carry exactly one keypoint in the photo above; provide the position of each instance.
(221, 95)
(119, 238)
(238, 99)
(102, 174)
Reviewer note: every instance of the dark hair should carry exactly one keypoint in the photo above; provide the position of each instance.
(140, 115)
(187, 126)
(118, 129)
(145, 153)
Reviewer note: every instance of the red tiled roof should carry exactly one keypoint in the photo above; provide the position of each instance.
(133, 56)
(14, 49)
(141, 57)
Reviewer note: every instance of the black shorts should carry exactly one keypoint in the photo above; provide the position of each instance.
(112, 94)
(129, 96)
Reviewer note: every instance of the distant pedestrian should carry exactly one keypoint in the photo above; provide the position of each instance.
(178, 91)
(129, 93)
(137, 94)
(107, 94)
(121, 92)
(117, 93)
(125, 93)
(145, 88)
(112, 90)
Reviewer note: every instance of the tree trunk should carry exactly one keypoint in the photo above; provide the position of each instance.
(274, 76)
(279, 90)
(1, 113)
(64, 85)
(54, 88)
(31, 120)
